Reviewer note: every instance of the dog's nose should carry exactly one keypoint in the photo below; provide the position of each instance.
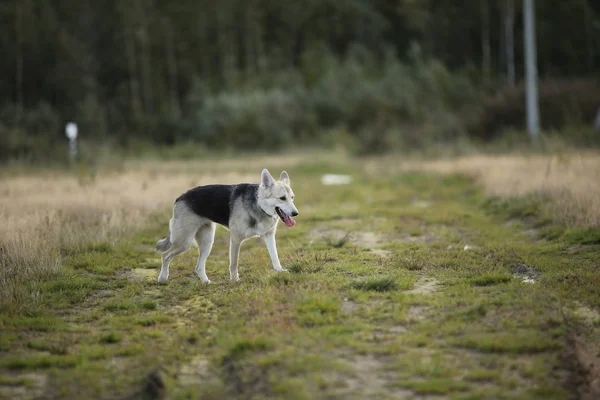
(294, 213)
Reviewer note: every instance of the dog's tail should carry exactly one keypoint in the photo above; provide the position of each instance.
(163, 244)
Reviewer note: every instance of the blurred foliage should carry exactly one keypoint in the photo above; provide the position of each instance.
(572, 102)
(271, 73)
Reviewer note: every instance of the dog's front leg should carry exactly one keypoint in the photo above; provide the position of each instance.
(269, 239)
(234, 254)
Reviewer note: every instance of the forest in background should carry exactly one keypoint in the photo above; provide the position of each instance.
(265, 74)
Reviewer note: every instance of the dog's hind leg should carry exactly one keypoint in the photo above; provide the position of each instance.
(205, 237)
(183, 229)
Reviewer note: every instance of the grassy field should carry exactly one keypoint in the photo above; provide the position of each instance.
(405, 283)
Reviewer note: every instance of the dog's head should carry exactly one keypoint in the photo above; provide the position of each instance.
(277, 197)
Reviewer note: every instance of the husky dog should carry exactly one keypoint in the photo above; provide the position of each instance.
(246, 209)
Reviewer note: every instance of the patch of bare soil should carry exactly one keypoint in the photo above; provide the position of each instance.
(338, 237)
(194, 372)
(366, 239)
(421, 203)
(328, 234)
(418, 313)
(584, 350)
(398, 329)
(348, 306)
(589, 363)
(194, 306)
(142, 274)
(369, 377)
(382, 253)
(425, 285)
(426, 238)
(27, 386)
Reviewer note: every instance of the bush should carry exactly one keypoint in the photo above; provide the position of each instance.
(378, 103)
(562, 103)
(259, 119)
(31, 135)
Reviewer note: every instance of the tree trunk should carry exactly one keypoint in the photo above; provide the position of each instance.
(134, 83)
(171, 68)
(146, 65)
(19, 19)
(227, 42)
(486, 47)
(509, 42)
(259, 49)
(250, 53)
(587, 17)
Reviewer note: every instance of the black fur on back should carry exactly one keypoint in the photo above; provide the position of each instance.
(215, 202)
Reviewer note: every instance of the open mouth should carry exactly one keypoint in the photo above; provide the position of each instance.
(287, 220)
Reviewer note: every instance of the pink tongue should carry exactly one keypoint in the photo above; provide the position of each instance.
(288, 221)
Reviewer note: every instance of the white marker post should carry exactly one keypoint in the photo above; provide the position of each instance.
(71, 132)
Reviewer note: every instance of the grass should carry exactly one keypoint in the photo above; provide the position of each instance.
(383, 284)
(567, 182)
(129, 305)
(398, 310)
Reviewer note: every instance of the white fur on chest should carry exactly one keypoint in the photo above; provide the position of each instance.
(238, 225)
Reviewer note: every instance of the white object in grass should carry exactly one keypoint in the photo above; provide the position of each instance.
(336, 179)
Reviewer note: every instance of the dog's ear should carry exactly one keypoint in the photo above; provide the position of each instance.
(266, 180)
(285, 178)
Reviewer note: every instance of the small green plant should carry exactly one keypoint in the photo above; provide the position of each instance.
(129, 304)
(110, 338)
(336, 241)
(490, 279)
(380, 284)
(245, 346)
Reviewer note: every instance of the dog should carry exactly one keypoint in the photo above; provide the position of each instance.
(246, 209)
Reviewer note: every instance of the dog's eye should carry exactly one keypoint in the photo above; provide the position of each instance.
(282, 198)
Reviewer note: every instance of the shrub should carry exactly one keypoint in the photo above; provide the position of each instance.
(368, 97)
(562, 103)
(258, 119)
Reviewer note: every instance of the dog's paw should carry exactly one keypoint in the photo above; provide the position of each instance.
(282, 270)
(208, 281)
(163, 279)
(235, 278)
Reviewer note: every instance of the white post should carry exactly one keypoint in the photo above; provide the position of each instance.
(533, 118)
(71, 132)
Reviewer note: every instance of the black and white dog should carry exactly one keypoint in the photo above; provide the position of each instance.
(246, 209)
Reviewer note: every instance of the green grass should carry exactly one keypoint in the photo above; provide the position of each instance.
(383, 284)
(513, 342)
(411, 312)
(14, 381)
(38, 362)
(490, 279)
(110, 338)
(129, 305)
(435, 386)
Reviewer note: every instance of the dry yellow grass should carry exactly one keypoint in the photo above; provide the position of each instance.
(44, 214)
(571, 182)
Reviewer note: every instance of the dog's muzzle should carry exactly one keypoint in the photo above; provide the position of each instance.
(287, 220)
